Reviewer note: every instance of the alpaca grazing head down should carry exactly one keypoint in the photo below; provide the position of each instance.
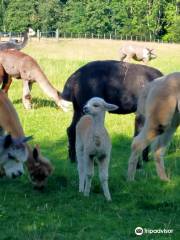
(13, 154)
(39, 168)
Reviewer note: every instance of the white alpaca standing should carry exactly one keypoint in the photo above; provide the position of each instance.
(93, 143)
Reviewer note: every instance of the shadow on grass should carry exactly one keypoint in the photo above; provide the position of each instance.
(38, 103)
(65, 174)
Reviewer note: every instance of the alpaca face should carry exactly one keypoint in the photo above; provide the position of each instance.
(96, 105)
(39, 169)
(13, 154)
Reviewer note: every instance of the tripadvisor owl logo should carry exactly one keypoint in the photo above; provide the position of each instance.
(139, 231)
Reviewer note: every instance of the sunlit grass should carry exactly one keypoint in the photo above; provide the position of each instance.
(60, 212)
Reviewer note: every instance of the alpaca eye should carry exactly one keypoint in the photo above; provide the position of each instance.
(95, 105)
(11, 156)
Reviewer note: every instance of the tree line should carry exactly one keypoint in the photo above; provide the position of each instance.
(159, 19)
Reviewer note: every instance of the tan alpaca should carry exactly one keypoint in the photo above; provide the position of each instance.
(22, 66)
(93, 143)
(160, 105)
(138, 53)
(39, 167)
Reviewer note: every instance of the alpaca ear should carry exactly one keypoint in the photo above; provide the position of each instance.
(111, 107)
(8, 141)
(35, 153)
(26, 139)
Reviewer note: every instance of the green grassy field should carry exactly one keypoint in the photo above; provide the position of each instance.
(60, 212)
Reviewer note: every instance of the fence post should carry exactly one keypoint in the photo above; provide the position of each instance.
(38, 34)
(115, 34)
(57, 34)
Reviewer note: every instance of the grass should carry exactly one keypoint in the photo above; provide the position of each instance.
(60, 212)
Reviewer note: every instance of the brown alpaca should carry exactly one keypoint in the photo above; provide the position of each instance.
(21, 66)
(159, 104)
(39, 167)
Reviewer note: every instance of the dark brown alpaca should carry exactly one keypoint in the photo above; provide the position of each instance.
(22, 66)
(116, 82)
(39, 168)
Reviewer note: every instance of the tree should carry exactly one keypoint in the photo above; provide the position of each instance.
(142, 18)
(3, 6)
(50, 13)
(172, 22)
(20, 14)
(73, 18)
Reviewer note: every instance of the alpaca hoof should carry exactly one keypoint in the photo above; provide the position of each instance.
(27, 106)
(109, 199)
(86, 194)
(72, 156)
(81, 190)
(130, 178)
(65, 105)
(165, 179)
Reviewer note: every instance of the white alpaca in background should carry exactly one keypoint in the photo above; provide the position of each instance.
(93, 144)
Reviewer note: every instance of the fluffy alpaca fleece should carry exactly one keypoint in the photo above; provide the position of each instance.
(138, 53)
(159, 104)
(93, 143)
(13, 154)
(22, 66)
(39, 168)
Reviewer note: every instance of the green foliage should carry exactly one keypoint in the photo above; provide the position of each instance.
(19, 15)
(73, 17)
(50, 13)
(173, 23)
(150, 18)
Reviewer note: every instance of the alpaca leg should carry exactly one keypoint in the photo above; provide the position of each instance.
(159, 160)
(132, 164)
(6, 83)
(139, 144)
(103, 175)
(71, 132)
(89, 172)
(139, 122)
(159, 147)
(26, 94)
(122, 56)
(80, 165)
